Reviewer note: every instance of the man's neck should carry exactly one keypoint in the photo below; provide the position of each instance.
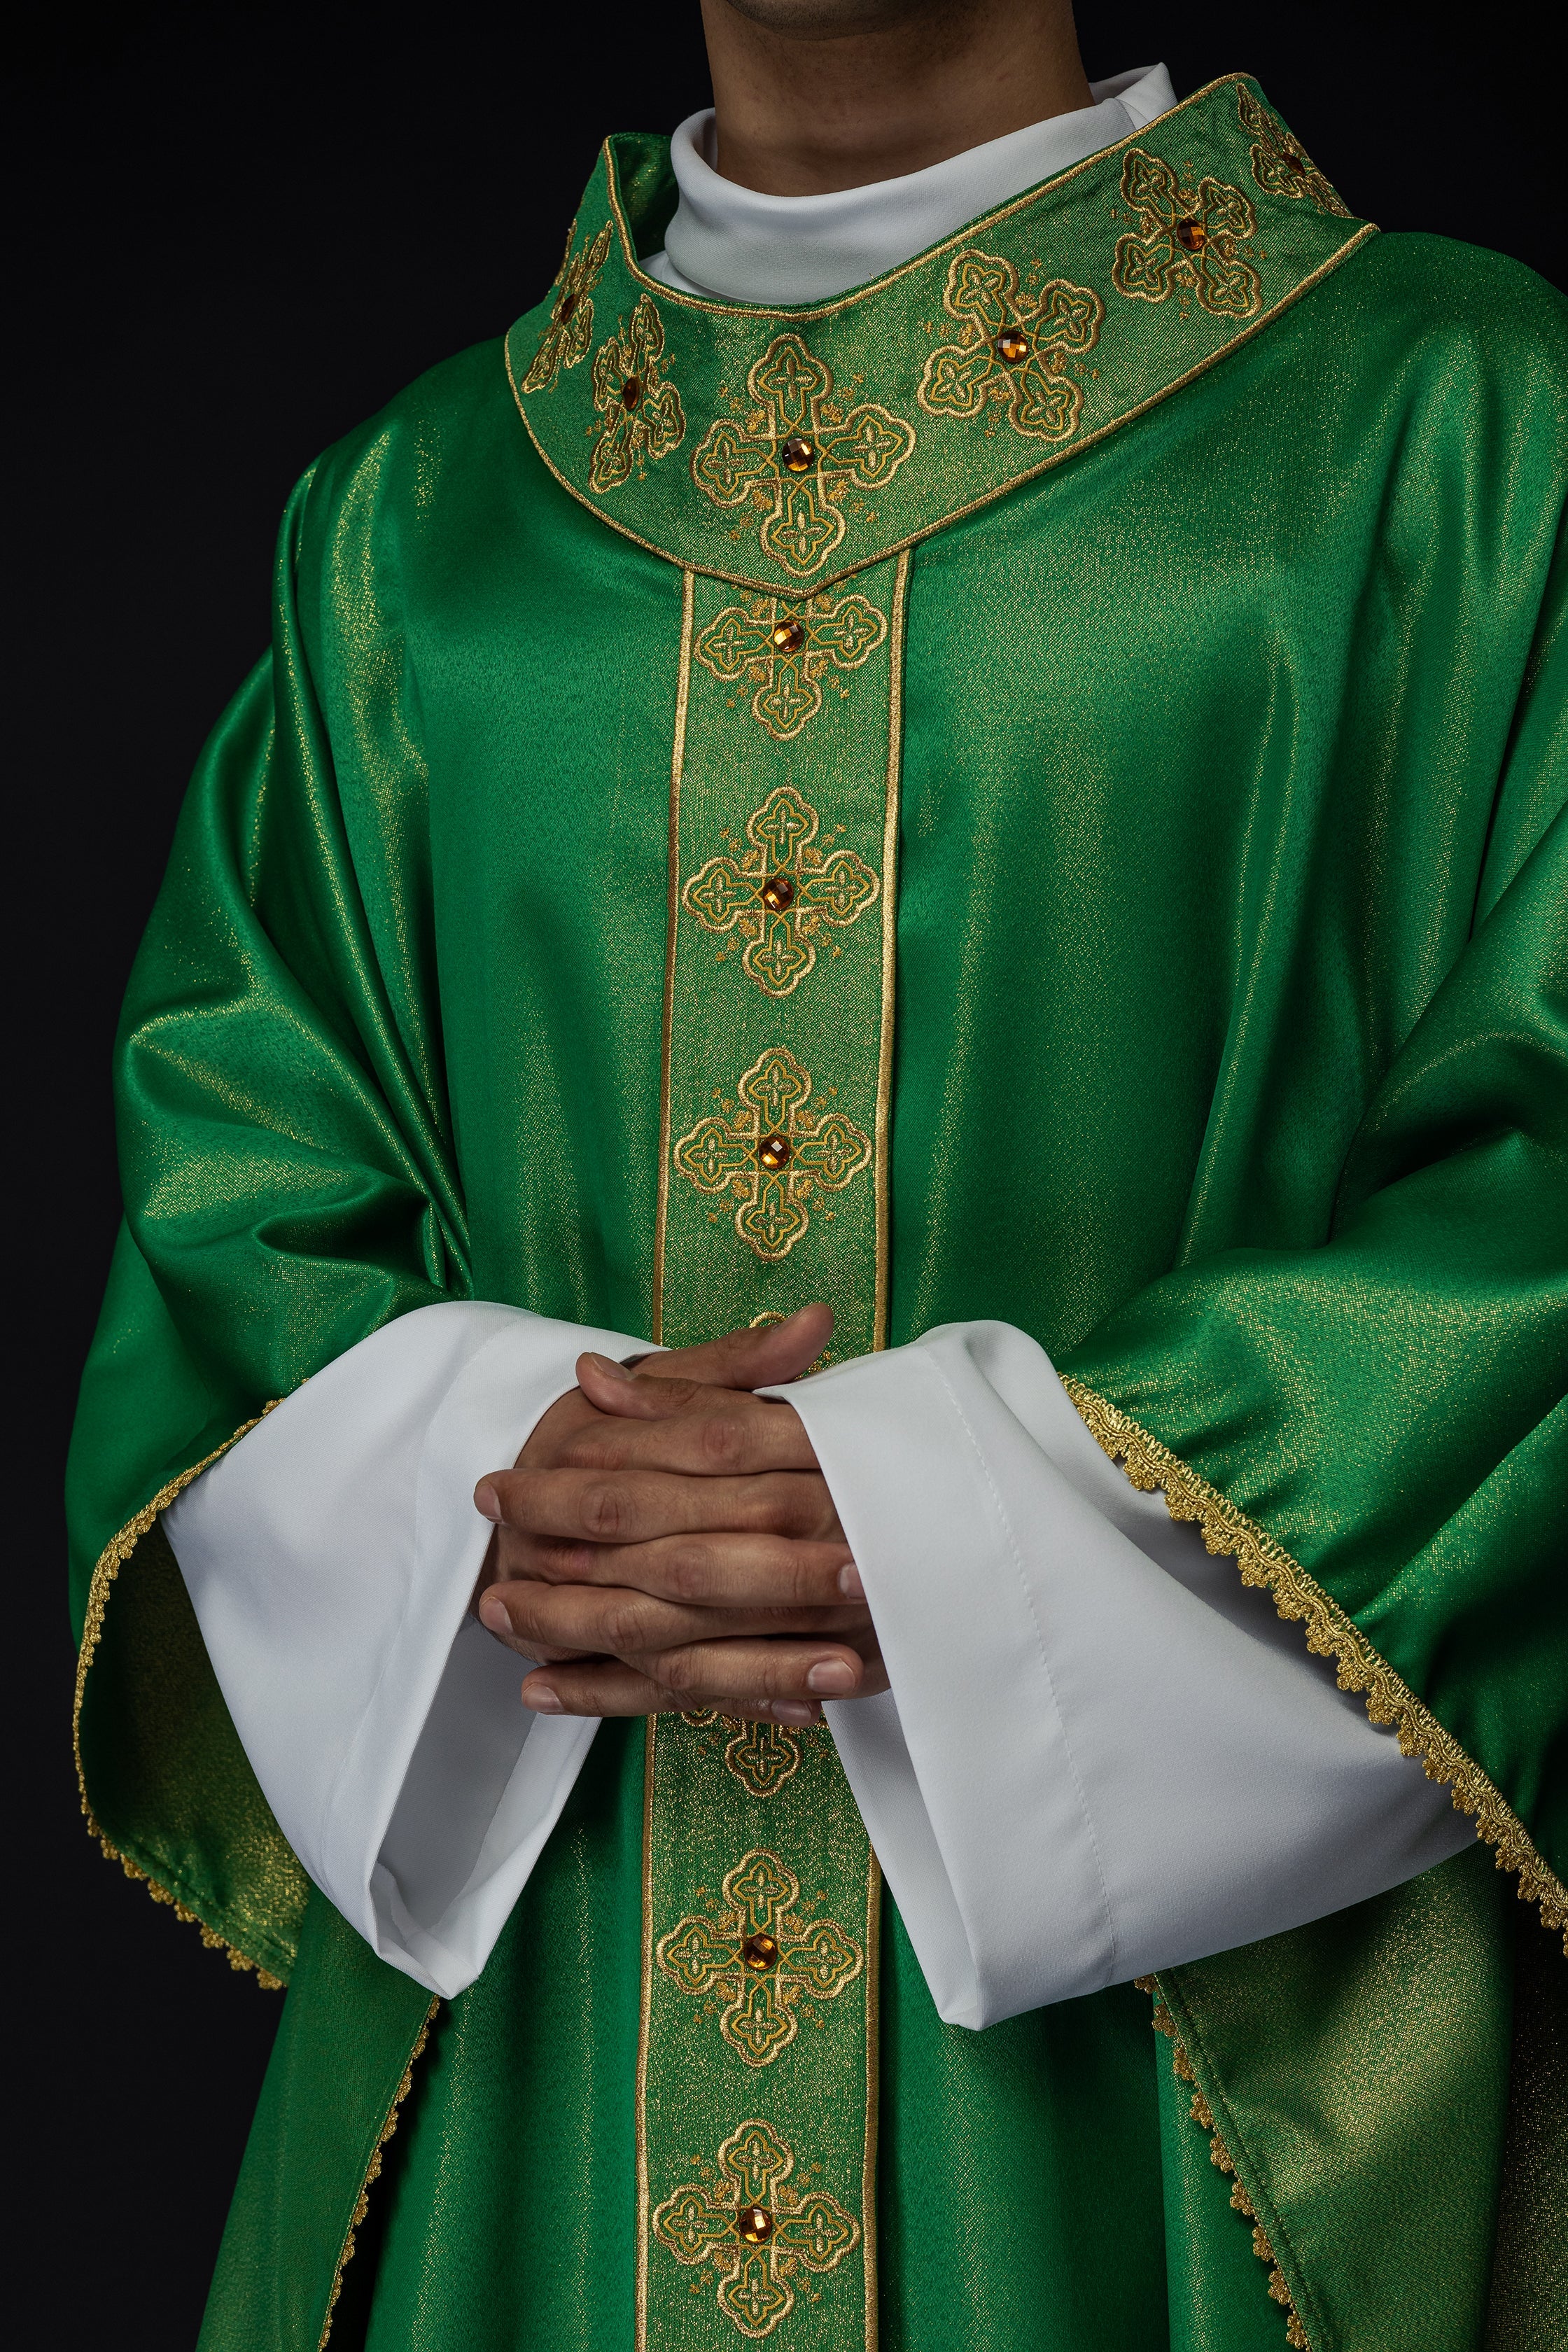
(812, 96)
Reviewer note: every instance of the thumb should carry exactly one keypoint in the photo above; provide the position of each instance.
(750, 1357)
(754, 1356)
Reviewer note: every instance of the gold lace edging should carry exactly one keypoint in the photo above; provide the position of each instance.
(373, 2170)
(1330, 1633)
(111, 1560)
(1222, 2159)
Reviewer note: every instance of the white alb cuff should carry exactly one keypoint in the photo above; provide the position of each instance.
(1102, 1754)
(330, 1557)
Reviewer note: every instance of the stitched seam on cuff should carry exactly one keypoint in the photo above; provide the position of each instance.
(399, 1632)
(1001, 1513)
(555, 1391)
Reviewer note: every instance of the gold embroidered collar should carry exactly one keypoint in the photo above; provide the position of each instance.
(787, 447)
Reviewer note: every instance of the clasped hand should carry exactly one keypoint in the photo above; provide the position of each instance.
(666, 1539)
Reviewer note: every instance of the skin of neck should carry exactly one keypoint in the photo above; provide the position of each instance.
(812, 96)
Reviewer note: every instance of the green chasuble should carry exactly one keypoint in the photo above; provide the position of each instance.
(1034, 790)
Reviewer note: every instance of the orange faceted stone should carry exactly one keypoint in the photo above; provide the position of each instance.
(564, 307)
(1012, 345)
(1192, 235)
(778, 892)
(631, 392)
(773, 1152)
(788, 636)
(797, 455)
(759, 1952)
(754, 2223)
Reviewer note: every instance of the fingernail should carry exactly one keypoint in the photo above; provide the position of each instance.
(607, 1365)
(832, 1674)
(486, 1502)
(789, 1710)
(541, 1698)
(492, 1612)
(849, 1582)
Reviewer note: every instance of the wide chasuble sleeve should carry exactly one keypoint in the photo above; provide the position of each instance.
(1033, 791)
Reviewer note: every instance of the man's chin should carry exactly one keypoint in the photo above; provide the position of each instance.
(825, 19)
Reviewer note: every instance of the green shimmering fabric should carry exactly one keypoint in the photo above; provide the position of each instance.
(1403, 2007)
(512, 2213)
(1019, 2169)
(349, 2028)
(1229, 1060)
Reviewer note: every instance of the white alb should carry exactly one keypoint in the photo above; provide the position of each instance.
(740, 245)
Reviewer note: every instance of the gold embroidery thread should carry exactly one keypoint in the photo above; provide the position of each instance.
(1011, 348)
(784, 650)
(566, 339)
(1280, 165)
(781, 891)
(642, 415)
(797, 454)
(761, 1956)
(114, 1556)
(373, 2172)
(1222, 2162)
(752, 2230)
(1185, 238)
(1137, 365)
(762, 1756)
(771, 1154)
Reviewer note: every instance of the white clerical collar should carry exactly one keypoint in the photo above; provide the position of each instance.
(740, 245)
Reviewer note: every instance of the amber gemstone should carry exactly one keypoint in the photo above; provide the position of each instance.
(1012, 345)
(774, 1153)
(778, 892)
(798, 457)
(788, 637)
(755, 2224)
(1192, 235)
(631, 392)
(565, 307)
(1298, 162)
(759, 1952)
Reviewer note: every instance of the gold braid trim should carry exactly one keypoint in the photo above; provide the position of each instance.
(1330, 1633)
(111, 1560)
(373, 2170)
(1221, 2157)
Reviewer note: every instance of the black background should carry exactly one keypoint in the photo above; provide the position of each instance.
(230, 235)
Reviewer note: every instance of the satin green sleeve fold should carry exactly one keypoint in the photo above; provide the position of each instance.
(288, 1172)
(1387, 1406)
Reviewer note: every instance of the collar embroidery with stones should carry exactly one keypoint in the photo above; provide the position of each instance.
(785, 449)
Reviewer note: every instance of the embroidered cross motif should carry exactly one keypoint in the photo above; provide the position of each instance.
(642, 415)
(754, 2231)
(772, 1155)
(570, 329)
(797, 454)
(781, 891)
(1280, 165)
(1185, 239)
(785, 650)
(1011, 348)
(761, 1755)
(760, 1957)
